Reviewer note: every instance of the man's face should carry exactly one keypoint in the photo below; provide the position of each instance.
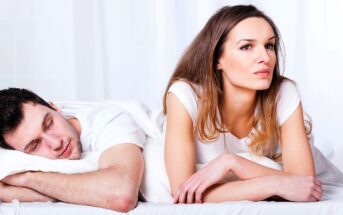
(46, 133)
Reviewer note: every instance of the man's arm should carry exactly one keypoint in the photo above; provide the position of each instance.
(114, 185)
(8, 193)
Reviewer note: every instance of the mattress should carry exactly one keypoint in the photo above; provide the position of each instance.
(238, 207)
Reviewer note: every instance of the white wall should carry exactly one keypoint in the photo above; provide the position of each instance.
(127, 49)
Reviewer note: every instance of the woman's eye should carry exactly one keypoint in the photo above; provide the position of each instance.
(246, 47)
(270, 46)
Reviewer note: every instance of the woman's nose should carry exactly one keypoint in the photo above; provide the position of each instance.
(263, 55)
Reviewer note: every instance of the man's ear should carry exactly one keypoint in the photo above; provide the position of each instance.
(55, 107)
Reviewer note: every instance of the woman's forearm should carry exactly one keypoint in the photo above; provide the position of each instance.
(253, 182)
(293, 188)
(246, 169)
(253, 189)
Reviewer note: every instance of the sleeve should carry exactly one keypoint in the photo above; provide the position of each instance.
(121, 129)
(288, 99)
(185, 93)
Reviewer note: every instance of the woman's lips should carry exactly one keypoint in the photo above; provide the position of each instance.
(262, 73)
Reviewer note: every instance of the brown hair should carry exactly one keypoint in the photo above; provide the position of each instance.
(11, 110)
(198, 66)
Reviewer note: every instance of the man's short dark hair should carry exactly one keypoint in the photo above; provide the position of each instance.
(11, 113)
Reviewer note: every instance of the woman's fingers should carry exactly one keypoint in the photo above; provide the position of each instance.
(195, 191)
(192, 189)
(182, 197)
(187, 191)
(318, 189)
(317, 195)
(200, 191)
(311, 199)
(317, 182)
(176, 199)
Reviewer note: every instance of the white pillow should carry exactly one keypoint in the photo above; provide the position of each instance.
(12, 161)
(155, 184)
(261, 160)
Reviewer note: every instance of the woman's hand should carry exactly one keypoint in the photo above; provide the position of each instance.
(215, 172)
(298, 188)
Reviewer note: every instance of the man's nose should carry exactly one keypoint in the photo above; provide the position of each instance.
(53, 142)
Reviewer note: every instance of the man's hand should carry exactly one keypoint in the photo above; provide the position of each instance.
(18, 180)
(8, 193)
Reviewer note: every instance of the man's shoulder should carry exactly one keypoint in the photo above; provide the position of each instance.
(93, 117)
(93, 109)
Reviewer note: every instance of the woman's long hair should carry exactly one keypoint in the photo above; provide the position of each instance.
(198, 66)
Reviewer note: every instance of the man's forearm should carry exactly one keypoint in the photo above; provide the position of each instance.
(114, 185)
(93, 188)
(8, 193)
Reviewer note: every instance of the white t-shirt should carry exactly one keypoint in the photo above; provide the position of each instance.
(155, 184)
(288, 99)
(103, 125)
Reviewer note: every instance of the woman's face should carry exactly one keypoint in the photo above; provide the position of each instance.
(248, 59)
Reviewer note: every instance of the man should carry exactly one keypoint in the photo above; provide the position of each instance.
(31, 125)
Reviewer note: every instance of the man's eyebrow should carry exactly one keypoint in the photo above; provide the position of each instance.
(251, 40)
(34, 140)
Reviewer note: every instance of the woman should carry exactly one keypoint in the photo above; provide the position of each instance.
(227, 96)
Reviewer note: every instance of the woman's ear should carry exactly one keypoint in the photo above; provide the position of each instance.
(219, 66)
(55, 107)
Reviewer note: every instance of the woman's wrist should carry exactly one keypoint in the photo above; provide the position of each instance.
(230, 162)
(273, 185)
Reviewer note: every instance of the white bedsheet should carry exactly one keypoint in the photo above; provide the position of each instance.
(334, 207)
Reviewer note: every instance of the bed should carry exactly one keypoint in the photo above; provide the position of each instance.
(155, 186)
(239, 207)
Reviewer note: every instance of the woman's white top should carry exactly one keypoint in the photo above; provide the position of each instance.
(288, 99)
(155, 185)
